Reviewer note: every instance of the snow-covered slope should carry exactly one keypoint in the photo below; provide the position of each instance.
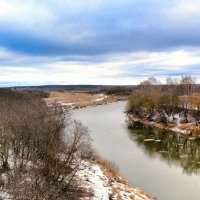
(104, 187)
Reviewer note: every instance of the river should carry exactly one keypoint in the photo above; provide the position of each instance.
(166, 165)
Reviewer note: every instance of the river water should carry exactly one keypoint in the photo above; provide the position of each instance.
(166, 165)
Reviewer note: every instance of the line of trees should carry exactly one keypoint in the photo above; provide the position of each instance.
(163, 102)
(118, 90)
(41, 148)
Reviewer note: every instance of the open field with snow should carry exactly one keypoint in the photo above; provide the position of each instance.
(74, 99)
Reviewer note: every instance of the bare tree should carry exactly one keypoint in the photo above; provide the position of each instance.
(45, 147)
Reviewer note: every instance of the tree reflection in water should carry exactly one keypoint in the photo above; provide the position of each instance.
(171, 147)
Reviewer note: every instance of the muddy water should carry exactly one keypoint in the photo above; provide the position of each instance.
(164, 164)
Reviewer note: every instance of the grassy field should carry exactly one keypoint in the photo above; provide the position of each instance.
(76, 99)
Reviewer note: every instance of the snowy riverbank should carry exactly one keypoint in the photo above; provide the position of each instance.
(187, 129)
(99, 183)
(102, 184)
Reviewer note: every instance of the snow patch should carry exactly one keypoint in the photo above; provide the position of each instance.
(4, 195)
(94, 179)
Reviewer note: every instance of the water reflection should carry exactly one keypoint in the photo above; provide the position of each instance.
(173, 148)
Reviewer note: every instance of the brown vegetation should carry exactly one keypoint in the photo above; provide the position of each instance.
(76, 99)
(161, 104)
(118, 184)
(118, 91)
(41, 148)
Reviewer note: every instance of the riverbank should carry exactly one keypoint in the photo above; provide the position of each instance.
(97, 180)
(146, 164)
(102, 182)
(187, 129)
(75, 100)
(97, 177)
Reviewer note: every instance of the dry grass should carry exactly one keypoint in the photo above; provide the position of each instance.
(171, 125)
(77, 99)
(191, 128)
(116, 190)
(195, 130)
(85, 194)
(156, 125)
(128, 190)
(118, 184)
(141, 194)
(145, 122)
(132, 197)
(159, 125)
(109, 168)
(69, 97)
(184, 126)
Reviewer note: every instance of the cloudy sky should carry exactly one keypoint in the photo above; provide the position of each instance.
(97, 41)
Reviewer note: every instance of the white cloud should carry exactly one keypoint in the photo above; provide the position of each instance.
(24, 13)
(185, 11)
(109, 69)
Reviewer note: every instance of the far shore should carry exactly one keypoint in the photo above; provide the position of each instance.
(76, 100)
(187, 129)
